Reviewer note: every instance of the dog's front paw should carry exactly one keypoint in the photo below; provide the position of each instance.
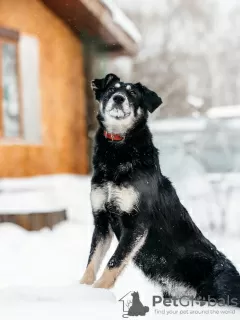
(106, 281)
(103, 283)
(88, 278)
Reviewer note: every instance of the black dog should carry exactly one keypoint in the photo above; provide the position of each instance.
(132, 198)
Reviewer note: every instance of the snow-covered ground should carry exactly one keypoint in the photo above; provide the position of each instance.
(39, 275)
(40, 271)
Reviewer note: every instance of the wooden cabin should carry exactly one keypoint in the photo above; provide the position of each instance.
(47, 54)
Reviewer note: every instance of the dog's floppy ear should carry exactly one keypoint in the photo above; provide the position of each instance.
(100, 85)
(150, 99)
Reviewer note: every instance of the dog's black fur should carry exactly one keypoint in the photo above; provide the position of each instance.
(174, 248)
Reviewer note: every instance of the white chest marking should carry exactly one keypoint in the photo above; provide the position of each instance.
(125, 198)
(98, 198)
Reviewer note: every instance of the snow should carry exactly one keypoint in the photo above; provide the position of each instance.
(229, 179)
(40, 270)
(224, 112)
(69, 302)
(196, 102)
(39, 275)
(178, 125)
(46, 194)
(190, 150)
(75, 302)
(29, 202)
(232, 124)
(122, 20)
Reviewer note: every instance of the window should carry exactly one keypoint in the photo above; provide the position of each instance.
(10, 104)
(20, 115)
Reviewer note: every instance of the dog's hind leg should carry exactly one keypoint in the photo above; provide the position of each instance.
(223, 287)
(101, 240)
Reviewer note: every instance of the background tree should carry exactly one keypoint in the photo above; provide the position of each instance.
(186, 53)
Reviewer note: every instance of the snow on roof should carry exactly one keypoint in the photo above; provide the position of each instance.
(224, 112)
(178, 124)
(122, 20)
(196, 102)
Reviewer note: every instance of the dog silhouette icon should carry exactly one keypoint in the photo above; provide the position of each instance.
(137, 308)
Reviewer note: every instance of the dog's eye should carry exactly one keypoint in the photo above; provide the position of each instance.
(133, 93)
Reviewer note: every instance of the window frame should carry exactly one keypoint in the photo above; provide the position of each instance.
(11, 36)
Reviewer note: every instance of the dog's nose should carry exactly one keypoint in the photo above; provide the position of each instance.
(118, 98)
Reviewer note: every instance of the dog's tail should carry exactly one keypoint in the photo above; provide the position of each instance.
(146, 309)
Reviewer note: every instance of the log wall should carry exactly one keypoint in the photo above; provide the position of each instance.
(62, 91)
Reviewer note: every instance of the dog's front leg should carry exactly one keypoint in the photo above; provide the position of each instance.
(101, 240)
(130, 243)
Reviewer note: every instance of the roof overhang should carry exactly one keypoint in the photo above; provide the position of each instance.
(99, 18)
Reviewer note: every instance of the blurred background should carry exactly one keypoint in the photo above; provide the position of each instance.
(187, 51)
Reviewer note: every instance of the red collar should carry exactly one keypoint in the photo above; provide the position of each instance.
(113, 136)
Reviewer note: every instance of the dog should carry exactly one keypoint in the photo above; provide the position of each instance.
(137, 308)
(132, 199)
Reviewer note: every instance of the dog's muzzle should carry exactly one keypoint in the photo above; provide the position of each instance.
(118, 107)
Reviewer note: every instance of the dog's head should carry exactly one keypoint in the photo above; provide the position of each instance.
(123, 105)
(135, 295)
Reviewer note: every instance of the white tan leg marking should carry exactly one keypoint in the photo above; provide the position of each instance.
(100, 251)
(109, 276)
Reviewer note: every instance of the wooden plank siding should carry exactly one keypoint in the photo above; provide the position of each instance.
(35, 221)
(62, 92)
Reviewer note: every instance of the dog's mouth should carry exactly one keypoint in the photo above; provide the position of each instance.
(118, 113)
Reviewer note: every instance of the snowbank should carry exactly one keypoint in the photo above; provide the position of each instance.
(83, 302)
(39, 273)
(46, 194)
(69, 302)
